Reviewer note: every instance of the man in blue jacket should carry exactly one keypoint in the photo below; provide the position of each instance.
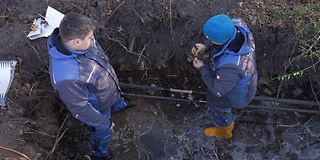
(231, 74)
(84, 79)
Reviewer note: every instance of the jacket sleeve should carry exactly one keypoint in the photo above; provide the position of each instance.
(221, 81)
(75, 95)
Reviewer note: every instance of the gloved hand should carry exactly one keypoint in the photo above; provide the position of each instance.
(197, 63)
(198, 49)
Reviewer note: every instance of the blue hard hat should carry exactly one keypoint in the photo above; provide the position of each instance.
(219, 29)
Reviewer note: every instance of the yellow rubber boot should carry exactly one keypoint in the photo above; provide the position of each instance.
(220, 132)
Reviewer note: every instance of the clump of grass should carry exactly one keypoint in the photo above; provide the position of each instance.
(303, 18)
(305, 21)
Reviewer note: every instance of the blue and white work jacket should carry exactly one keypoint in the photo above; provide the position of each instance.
(231, 72)
(84, 80)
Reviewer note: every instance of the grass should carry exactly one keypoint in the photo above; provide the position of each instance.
(305, 21)
(304, 18)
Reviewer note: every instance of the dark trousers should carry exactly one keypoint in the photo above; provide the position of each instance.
(220, 109)
(100, 137)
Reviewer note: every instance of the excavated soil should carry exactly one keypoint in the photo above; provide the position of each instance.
(148, 43)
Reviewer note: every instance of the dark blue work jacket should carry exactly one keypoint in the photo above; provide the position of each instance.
(84, 80)
(231, 73)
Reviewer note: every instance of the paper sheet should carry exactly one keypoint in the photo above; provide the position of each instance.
(53, 19)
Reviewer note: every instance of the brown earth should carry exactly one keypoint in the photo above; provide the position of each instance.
(148, 42)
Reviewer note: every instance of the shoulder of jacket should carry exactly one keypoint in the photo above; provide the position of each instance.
(230, 59)
(64, 69)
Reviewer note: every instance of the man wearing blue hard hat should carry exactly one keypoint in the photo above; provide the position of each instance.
(230, 75)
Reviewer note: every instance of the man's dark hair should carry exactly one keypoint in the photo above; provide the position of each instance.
(75, 26)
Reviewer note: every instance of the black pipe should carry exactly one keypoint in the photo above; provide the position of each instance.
(163, 98)
(249, 106)
(126, 85)
(257, 98)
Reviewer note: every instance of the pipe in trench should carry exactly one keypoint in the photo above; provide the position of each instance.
(257, 98)
(197, 101)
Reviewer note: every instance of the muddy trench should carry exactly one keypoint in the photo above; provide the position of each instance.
(148, 43)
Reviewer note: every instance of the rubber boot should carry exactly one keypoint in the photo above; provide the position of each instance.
(220, 132)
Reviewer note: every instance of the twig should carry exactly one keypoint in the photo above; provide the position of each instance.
(285, 68)
(33, 85)
(313, 92)
(78, 155)
(125, 48)
(317, 81)
(13, 103)
(64, 121)
(305, 52)
(184, 32)
(170, 19)
(57, 141)
(39, 132)
(313, 45)
(141, 19)
(134, 138)
(132, 42)
(289, 125)
(145, 74)
(58, 138)
(193, 2)
(87, 157)
(215, 153)
(305, 124)
(144, 47)
(202, 115)
(117, 31)
(116, 9)
(34, 49)
(279, 89)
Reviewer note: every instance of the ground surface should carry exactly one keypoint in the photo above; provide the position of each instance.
(148, 42)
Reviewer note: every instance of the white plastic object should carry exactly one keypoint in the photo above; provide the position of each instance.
(6, 77)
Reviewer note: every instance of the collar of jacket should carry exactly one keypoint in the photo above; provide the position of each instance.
(216, 54)
(244, 49)
(58, 51)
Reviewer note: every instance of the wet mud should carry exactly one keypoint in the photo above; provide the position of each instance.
(148, 43)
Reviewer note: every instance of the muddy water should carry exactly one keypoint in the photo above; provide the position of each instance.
(161, 130)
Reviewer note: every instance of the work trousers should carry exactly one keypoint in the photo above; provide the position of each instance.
(100, 136)
(220, 110)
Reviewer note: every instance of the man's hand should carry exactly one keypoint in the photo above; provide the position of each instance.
(198, 49)
(197, 63)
